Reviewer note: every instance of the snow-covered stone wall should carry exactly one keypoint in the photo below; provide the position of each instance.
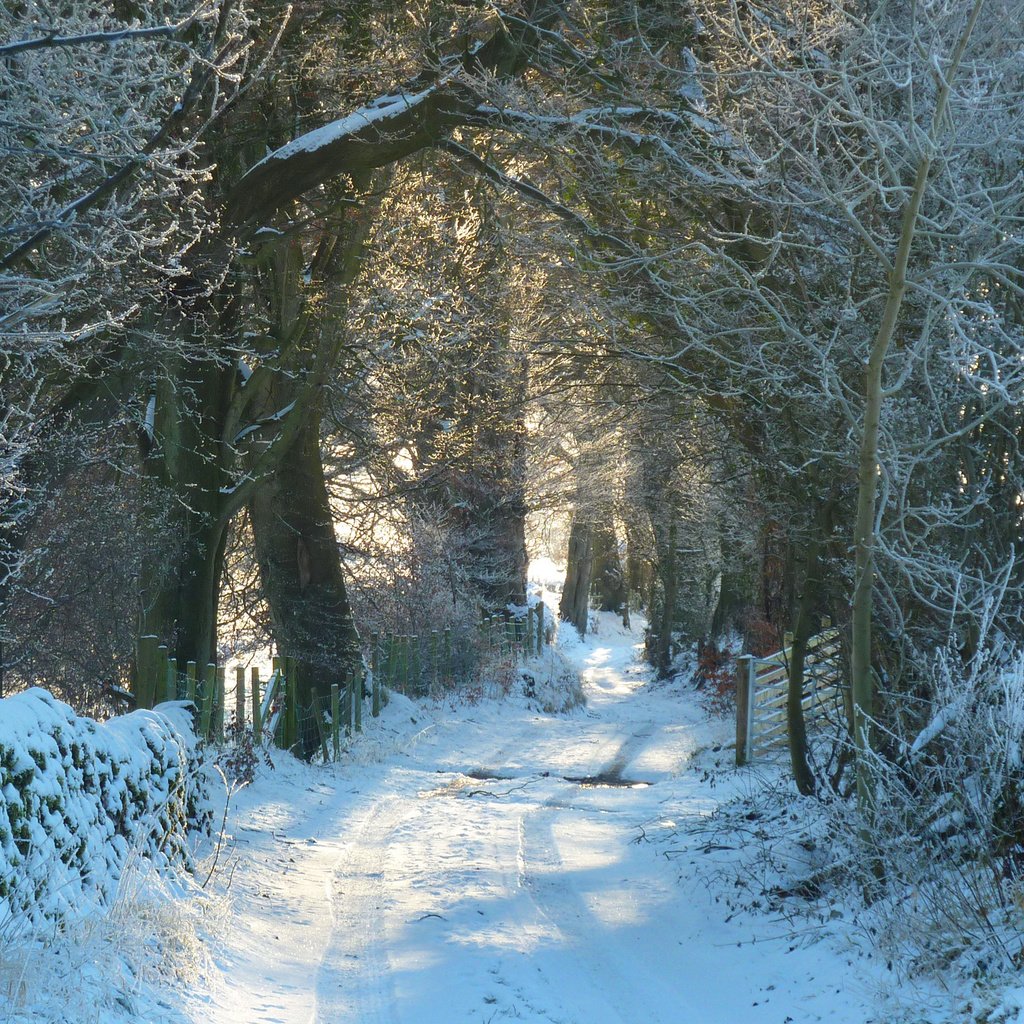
(77, 797)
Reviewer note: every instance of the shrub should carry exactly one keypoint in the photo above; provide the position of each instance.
(956, 785)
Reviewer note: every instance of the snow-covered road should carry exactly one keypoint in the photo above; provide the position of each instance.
(495, 864)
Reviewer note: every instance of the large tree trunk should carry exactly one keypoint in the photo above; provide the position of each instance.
(301, 569)
(803, 629)
(574, 605)
(185, 463)
(609, 584)
(670, 583)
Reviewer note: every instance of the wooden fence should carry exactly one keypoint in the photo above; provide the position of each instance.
(270, 706)
(408, 664)
(762, 686)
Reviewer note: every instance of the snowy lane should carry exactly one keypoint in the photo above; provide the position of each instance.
(353, 981)
(493, 867)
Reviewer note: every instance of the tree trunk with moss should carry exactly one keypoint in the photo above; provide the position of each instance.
(574, 605)
(186, 463)
(300, 565)
(804, 627)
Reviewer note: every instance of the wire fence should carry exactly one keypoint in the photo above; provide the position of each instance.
(416, 666)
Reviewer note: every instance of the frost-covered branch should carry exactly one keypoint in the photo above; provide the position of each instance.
(109, 38)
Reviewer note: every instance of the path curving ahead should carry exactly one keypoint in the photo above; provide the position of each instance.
(494, 866)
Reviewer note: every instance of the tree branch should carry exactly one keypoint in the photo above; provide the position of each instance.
(52, 39)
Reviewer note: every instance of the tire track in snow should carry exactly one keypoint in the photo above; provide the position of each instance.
(354, 981)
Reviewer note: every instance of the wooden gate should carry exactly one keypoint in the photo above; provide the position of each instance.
(761, 689)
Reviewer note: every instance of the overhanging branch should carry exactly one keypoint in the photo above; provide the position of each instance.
(535, 195)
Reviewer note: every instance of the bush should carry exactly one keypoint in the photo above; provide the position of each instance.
(956, 785)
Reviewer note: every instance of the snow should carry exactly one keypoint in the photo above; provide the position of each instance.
(482, 859)
(549, 575)
(79, 797)
(449, 870)
(936, 726)
(380, 109)
(246, 431)
(150, 424)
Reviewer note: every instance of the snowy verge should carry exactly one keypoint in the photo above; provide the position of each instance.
(78, 797)
(123, 964)
(551, 682)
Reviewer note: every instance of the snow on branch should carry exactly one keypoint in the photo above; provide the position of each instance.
(259, 424)
(382, 108)
(381, 132)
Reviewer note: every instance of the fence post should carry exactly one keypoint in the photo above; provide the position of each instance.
(257, 720)
(145, 671)
(434, 649)
(190, 681)
(239, 701)
(540, 627)
(416, 670)
(335, 724)
(280, 735)
(160, 674)
(392, 666)
(531, 631)
(403, 663)
(350, 702)
(358, 694)
(219, 707)
(209, 689)
(281, 732)
(288, 717)
(375, 660)
(171, 683)
(291, 707)
(746, 678)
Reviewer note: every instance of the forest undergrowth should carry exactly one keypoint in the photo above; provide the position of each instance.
(929, 879)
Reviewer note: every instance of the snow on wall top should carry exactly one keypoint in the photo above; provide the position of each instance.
(76, 797)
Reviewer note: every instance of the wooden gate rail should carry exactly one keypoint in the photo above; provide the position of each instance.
(762, 686)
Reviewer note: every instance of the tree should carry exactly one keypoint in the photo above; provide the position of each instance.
(102, 199)
(880, 143)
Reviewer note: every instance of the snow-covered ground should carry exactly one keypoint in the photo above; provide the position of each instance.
(482, 861)
(490, 862)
